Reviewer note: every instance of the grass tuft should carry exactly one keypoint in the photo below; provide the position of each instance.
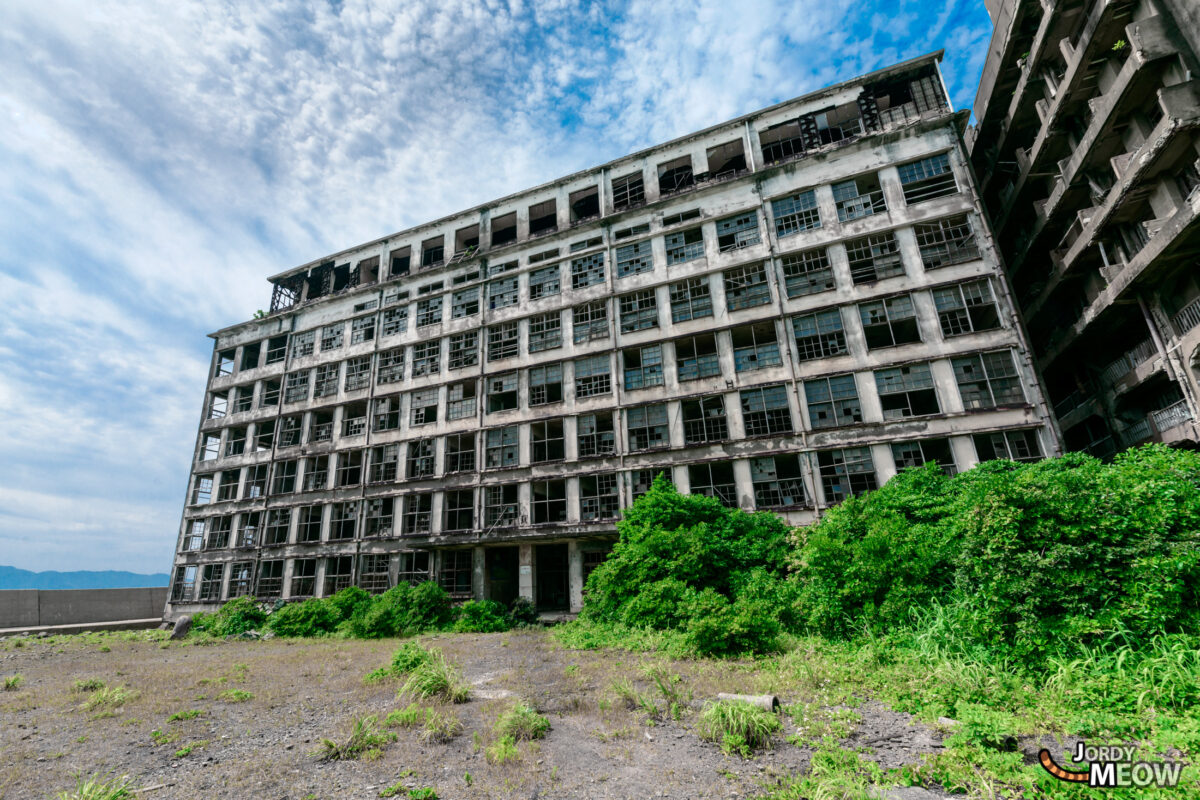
(502, 751)
(13, 682)
(436, 677)
(366, 741)
(99, 787)
(88, 685)
(235, 696)
(191, 713)
(109, 697)
(737, 726)
(522, 723)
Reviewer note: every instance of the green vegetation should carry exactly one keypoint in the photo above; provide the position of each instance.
(482, 616)
(88, 685)
(366, 740)
(522, 723)
(737, 726)
(13, 682)
(179, 716)
(235, 696)
(435, 676)
(187, 750)
(109, 697)
(99, 787)
(237, 616)
(501, 751)
(161, 737)
(436, 726)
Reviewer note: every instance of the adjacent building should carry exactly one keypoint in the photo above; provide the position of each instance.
(1086, 147)
(779, 311)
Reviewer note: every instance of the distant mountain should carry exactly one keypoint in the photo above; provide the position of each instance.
(13, 578)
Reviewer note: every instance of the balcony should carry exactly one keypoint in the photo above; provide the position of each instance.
(1187, 318)
(1128, 362)
(1157, 425)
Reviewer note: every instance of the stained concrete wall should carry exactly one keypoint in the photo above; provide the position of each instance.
(27, 608)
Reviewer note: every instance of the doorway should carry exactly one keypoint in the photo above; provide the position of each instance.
(553, 590)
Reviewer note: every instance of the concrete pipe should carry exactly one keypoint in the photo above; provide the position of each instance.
(767, 702)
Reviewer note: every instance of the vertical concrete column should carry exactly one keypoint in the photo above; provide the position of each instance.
(575, 575)
(885, 464)
(675, 423)
(570, 434)
(944, 382)
(733, 416)
(744, 484)
(573, 500)
(868, 397)
(962, 450)
(525, 571)
(478, 584)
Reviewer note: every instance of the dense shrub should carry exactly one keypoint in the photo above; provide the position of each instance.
(306, 618)
(237, 616)
(349, 601)
(482, 616)
(428, 608)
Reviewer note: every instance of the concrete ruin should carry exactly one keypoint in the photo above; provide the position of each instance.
(779, 311)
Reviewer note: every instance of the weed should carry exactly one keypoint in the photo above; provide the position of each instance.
(88, 685)
(503, 750)
(440, 726)
(476, 742)
(191, 713)
(626, 693)
(13, 682)
(571, 669)
(366, 740)
(404, 717)
(608, 736)
(109, 697)
(467, 779)
(105, 649)
(186, 751)
(99, 787)
(436, 677)
(235, 696)
(737, 726)
(161, 738)
(393, 790)
(81, 739)
(834, 772)
(668, 686)
(377, 675)
(522, 723)
(426, 793)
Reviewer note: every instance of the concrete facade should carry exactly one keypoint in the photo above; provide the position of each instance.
(779, 311)
(1087, 149)
(32, 608)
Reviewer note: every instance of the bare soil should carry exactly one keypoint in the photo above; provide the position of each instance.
(307, 690)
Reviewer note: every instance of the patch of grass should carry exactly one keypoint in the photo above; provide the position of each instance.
(186, 751)
(440, 726)
(426, 793)
(235, 696)
(814, 723)
(99, 787)
(109, 698)
(608, 736)
(522, 723)
(409, 656)
(668, 685)
(13, 682)
(87, 685)
(503, 750)
(191, 713)
(366, 740)
(436, 677)
(835, 772)
(738, 727)
(161, 737)
(408, 717)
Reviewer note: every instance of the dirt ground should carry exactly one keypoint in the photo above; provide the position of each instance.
(306, 690)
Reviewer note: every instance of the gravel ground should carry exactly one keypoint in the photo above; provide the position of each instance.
(303, 691)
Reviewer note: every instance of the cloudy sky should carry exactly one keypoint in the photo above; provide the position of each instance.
(159, 160)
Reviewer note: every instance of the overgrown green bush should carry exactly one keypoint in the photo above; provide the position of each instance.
(402, 611)
(349, 602)
(237, 616)
(306, 618)
(482, 616)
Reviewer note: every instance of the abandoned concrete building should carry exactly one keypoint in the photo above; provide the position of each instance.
(1086, 147)
(779, 311)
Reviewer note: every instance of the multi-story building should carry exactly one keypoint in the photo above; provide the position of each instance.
(780, 311)
(1086, 145)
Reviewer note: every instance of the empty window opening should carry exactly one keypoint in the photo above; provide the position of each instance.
(271, 393)
(210, 447)
(264, 436)
(675, 176)
(714, 480)
(946, 242)
(585, 204)
(765, 411)
(781, 142)
(250, 355)
(598, 497)
(500, 506)
(545, 255)
(414, 567)
(595, 435)
(859, 197)
(501, 392)
(704, 420)
(349, 468)
(308, 525)
(423, 407)
(680, 217)
(548, 502)
(460, 452)
(846, 473)
(696, 357)
(466, 242)
(755, 347)
(235, 441)
(354, 419)
(543, 217)
(833, 124)
(433, 251)
(244, 397)
(420, 462)
(400, 260)
(459, 510)
(225, 360)
(915, 454)
(966, 308)
(418, 513)
(832, 402)
(726, 160)
(1010, 445)
(304, 577)
(778, 482)
(504, 229)
(384, 464)
(889, 322)
(545, 384)
(339, 572)
(547, 441)
(906, 391)
(746, 287)
(502, 447)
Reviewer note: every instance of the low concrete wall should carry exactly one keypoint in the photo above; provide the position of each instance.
(28, 608)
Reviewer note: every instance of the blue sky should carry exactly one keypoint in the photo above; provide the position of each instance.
(158, 161)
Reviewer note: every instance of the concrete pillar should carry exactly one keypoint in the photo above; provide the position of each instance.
(575, 575)
(962, 450)
(525, 571)
(478, 586)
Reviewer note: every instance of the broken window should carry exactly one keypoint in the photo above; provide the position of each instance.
(235, 441)
(302, 344)
(502, 447)
(218, 405)
(704, 420)
(778, 482)
(648, 428)
(243, 398)
(400, 260)
(279, 521)
(670, 220)
(545, 332)
(635, 258)
(458, 510)
(765, 411)
(290, 429)
(906, 391)
(946, 241)
(343, 519)
(755, 347)
(639, 311)
(628, 192)
(362, 330)
(889, 322)
(874, 257)
(927, 178)
(595, 435)
(499, 268)
(338, 573)
(966, 308)
(393, 296)
(184, 584)
(395, 321)
(592, 376)
(587, 271)
(640, 481)
(277, 349)
(461, 400)
(264, 436)
(272, 390)
(714, 480)
(858, 197)
(256, 481)
(598, 497)
(583, 244)
(538, 258)
(503, 293)
(585, 204)
(460, 452)
(427, 358)
(316, 473)
(384, 463)
(819, 335)
(548, 501)
(1010, 445)
(386, 415)
(696, 357)
(504, 229)
(250, 354)
(690, 299)
(414, 567)
(421, 459)
(746, 287)
(193, 539)
(503, 341)
(545, 384)
(379, 517)
(224, 364)
(210, 447)
(349, 468)
(466, 242)
(988, 380)
(297, 386)
(781, 142)
(684, 246)
(544, 282)
(796, 213)
(734, 233)
(807, 272)
(284, 480)
(915, 454)
(418, 513)
(500, 506)
(423, 407)
(835, 124)
(374, 573)
(543, 217)
(456, 573)
(675, 176)
(326, 384)
(464, 350)
(228, 490)
(726, 160)
(391, 366)
(429, 311)
(501, 392)
(304, 577)
(219, 530)
(643, 367)
(465, 303)
(590, 321)
(546, 441)
(832, 402)
(308, 526)
(270, 580)
(331, 336)
(241, 579)
(358, 373)
(354, 419)
(433, 252)
(248, 532)
(846, 473)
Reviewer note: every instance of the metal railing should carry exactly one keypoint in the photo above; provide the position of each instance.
(1188, 317)
(1175, 414)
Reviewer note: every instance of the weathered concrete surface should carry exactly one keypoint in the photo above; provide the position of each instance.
(33, 608)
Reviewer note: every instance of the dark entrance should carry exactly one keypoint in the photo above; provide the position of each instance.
(502, 582)
(553, 592)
